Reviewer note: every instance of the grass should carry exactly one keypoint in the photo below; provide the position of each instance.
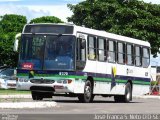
(13, 92)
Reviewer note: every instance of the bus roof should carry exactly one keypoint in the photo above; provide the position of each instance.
(110, 35)
(99, 33)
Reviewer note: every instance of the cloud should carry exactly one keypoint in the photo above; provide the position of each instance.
(31, 12)
(22, 10)
(152, 1)
(60, 11)
(34, 11)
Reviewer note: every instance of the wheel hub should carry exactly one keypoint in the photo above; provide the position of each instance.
(87, 91)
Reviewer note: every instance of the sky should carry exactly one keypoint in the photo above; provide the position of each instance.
(37, 8)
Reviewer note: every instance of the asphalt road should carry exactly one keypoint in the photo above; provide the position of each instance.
(66, 106)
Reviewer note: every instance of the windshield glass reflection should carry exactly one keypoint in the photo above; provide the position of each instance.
(47, 52)
(59, 53)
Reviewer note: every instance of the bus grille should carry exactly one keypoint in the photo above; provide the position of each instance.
(42, 88)
(42, 81)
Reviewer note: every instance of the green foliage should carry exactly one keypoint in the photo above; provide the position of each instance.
(132, 18)
(154, 83)
(10, 25)
(46, 19)
(13, 23)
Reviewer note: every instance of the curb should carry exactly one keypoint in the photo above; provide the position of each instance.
(21, 105)
(29, 96)
(16, 96)
(147, 97)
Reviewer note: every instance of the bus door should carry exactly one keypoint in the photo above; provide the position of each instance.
(81, 51)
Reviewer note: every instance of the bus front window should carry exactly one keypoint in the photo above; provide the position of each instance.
(32, 50)
(47, 52)
(59, 53)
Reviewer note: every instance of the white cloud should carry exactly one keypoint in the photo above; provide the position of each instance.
(60, 11)
(34, 11)
(152, 1)
(22, 10)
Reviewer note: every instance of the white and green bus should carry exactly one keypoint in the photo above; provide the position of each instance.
(74, 61)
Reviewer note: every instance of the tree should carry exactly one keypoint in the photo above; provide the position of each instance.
(10, 25)
(46, 19)
(132, 18)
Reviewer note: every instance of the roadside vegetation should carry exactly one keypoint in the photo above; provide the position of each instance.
(13, 92)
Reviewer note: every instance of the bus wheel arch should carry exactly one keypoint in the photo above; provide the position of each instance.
(127, 97)
(90, 78)
(131, 84)
(87, 96)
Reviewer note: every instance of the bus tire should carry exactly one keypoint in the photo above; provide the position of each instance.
(87, 96)
(127, 97)
(36, 96)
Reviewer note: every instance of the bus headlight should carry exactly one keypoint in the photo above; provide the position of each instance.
(66, 81)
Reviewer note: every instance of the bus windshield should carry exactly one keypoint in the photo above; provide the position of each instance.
(47, 52)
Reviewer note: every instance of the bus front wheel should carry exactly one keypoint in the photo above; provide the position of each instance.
(87, 96)
(127, 97)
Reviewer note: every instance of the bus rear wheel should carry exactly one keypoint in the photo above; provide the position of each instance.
(88, 93)
(36, 96)
(127, 97)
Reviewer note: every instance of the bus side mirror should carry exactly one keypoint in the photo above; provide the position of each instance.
(15, 48)
(83, 43)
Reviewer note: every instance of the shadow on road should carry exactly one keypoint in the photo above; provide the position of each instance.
(95, 101)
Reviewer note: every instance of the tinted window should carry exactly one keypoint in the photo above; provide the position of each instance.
(81, 49)
(50, 52)
(59, 53)
(130, 53)
(146, 57)
(101, 49)
(121, 53)
(59, 29)
(111, 51)
(91, 48)
(81, 54)
(138, 61)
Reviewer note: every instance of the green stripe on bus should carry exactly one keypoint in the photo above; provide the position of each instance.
(85, 77)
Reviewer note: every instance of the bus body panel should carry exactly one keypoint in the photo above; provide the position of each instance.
(108, 78)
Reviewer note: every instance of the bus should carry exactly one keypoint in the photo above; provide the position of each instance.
(75, 61)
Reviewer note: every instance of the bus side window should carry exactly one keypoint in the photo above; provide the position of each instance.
(121, 53)
(111, 51)
(82, 43)
(91, 48)
(129, 56)
(145, 57)
(81, 53)
(102, 49)
(138, 57)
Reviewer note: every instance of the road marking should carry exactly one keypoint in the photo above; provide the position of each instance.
(36, 104)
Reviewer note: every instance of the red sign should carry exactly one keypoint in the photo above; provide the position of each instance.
(28, 66)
